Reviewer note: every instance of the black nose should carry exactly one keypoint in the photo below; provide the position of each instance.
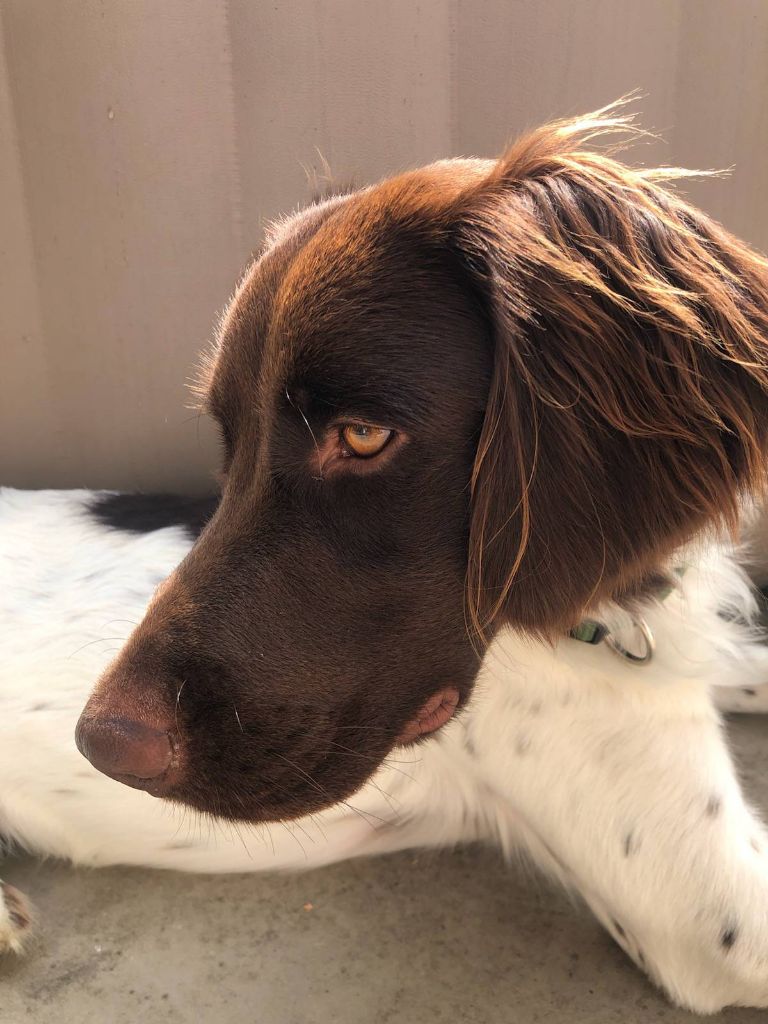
(131, 752)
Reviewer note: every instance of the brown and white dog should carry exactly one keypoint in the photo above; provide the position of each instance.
(484, 424)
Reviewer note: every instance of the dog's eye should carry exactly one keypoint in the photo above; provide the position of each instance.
(364, 441)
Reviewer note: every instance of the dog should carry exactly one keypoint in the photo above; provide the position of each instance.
(489, 429)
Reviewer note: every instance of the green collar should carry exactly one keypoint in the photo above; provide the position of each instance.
(591, 631)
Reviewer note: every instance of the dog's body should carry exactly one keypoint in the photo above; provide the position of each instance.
(483, 425)
(614, 777)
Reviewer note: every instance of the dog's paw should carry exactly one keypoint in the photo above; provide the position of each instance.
(15, 919)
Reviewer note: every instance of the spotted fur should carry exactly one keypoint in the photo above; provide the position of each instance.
(613, 795)
(570, 367)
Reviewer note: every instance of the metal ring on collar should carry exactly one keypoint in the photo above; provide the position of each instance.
(634, 659)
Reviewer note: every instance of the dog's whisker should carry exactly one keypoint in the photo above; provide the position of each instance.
(324, 793)
(268, 833)
(216, 821)
(317, 822)
(300, 411)
(297, 767)
(367, 757)
(297, 824)
(295, 838)
(243, 843)
(101, 640)
(387, 796)
(284, 825)
(365, 728)
(260, 833)
(365, 815)
(178, 699)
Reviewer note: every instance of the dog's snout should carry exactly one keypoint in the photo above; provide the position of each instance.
(129, 751)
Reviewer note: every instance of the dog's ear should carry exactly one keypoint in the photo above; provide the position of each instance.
(628, 408)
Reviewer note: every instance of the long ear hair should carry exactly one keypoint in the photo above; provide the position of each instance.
(628, 407)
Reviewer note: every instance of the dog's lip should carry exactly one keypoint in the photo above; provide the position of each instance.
(160, 786)
(438, 710)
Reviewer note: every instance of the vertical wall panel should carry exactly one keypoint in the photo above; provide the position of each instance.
(526, 61)
(124, 136)
(367, 85)
(143, 145)
(700, 65)
(721, 105)
(27, 426)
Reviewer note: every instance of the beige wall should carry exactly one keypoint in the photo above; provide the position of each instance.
(144, 142)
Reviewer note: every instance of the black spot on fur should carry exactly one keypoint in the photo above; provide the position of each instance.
(629, 844)
(748, 692)
(728, 938)
(145, 513)
(714, 806)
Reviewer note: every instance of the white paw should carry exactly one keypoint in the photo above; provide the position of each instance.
(15, 919)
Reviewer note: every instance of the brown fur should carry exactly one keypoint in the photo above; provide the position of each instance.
(627, 408)
(574, 364)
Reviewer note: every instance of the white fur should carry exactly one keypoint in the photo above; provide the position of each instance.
(615, 778)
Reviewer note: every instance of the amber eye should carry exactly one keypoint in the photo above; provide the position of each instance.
(365, 441)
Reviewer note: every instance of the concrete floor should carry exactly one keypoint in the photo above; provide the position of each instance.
(419, 938)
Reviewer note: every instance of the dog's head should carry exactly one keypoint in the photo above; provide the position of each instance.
(476, 395)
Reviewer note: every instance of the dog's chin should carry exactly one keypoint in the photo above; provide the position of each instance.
(257, 808)
(161, 787)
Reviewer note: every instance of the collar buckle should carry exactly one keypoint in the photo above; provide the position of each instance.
(590, 631)
(649, 644)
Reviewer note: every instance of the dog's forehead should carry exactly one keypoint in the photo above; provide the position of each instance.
(372, 271)
(334, 274)
(238, 348)
(248, 311)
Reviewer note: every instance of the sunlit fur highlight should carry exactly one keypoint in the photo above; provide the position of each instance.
(619, 313)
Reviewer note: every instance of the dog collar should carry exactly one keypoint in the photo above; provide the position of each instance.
(592, 631)
(589, 631)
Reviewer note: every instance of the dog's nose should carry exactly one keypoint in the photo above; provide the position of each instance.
(131, 752)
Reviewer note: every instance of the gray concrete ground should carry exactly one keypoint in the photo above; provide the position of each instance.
(418, 938)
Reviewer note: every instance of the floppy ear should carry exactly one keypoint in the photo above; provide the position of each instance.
(628, 408)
